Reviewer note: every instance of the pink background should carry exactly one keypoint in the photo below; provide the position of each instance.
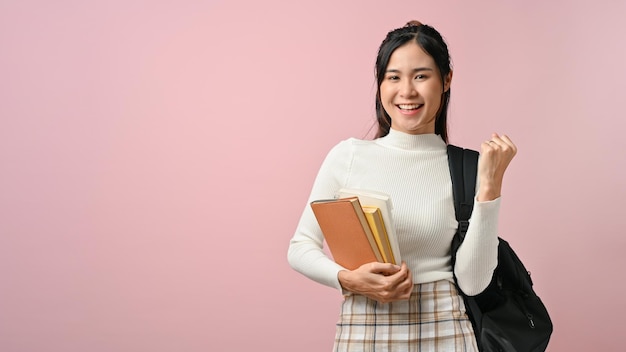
(156, 155)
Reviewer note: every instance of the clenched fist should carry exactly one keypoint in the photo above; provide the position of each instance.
(495, 156)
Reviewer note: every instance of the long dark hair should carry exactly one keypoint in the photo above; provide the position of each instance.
(433, 44)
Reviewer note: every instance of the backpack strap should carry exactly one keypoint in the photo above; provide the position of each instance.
(463, 169)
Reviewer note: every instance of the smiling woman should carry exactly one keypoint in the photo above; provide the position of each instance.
(411, 91)
(416, 56)
(415, 305)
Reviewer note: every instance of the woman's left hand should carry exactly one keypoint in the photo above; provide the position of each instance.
(495, 156)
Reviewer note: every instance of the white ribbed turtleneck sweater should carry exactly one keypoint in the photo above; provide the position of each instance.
(413, 170)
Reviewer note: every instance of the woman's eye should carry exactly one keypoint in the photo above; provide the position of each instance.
(393, 78)
(420, 77)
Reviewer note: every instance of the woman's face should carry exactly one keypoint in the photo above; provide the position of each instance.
(411, 90)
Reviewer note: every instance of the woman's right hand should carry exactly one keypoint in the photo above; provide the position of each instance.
(382, 282)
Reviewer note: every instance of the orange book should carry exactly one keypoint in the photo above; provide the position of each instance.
(375, 219)
(346, 231)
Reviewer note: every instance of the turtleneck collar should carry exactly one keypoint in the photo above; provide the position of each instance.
(402, 140)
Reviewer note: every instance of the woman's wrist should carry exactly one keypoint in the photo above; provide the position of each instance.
(341, 276)
(488, 193)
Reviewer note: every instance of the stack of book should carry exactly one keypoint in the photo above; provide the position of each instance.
(358, 228)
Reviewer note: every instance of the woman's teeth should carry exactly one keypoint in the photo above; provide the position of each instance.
(409, 106)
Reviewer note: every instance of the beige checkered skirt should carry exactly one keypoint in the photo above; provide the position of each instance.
(433, 319)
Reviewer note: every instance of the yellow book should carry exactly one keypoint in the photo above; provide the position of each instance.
(377, 225)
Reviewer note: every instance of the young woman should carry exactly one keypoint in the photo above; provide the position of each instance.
(414, 306)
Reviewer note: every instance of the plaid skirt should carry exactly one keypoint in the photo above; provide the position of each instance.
(432, 319)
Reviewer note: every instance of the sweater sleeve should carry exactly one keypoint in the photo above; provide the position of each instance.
(477, 256)
(306, 252)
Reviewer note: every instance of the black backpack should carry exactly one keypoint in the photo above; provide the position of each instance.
(507, 316)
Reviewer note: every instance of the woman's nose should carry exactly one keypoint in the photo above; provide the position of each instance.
(408, 89)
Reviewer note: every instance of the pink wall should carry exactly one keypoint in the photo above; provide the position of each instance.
(156, 155)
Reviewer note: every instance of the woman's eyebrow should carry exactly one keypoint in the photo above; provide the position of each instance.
(418, 69)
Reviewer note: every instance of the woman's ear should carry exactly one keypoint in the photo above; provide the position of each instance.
(447, 81)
